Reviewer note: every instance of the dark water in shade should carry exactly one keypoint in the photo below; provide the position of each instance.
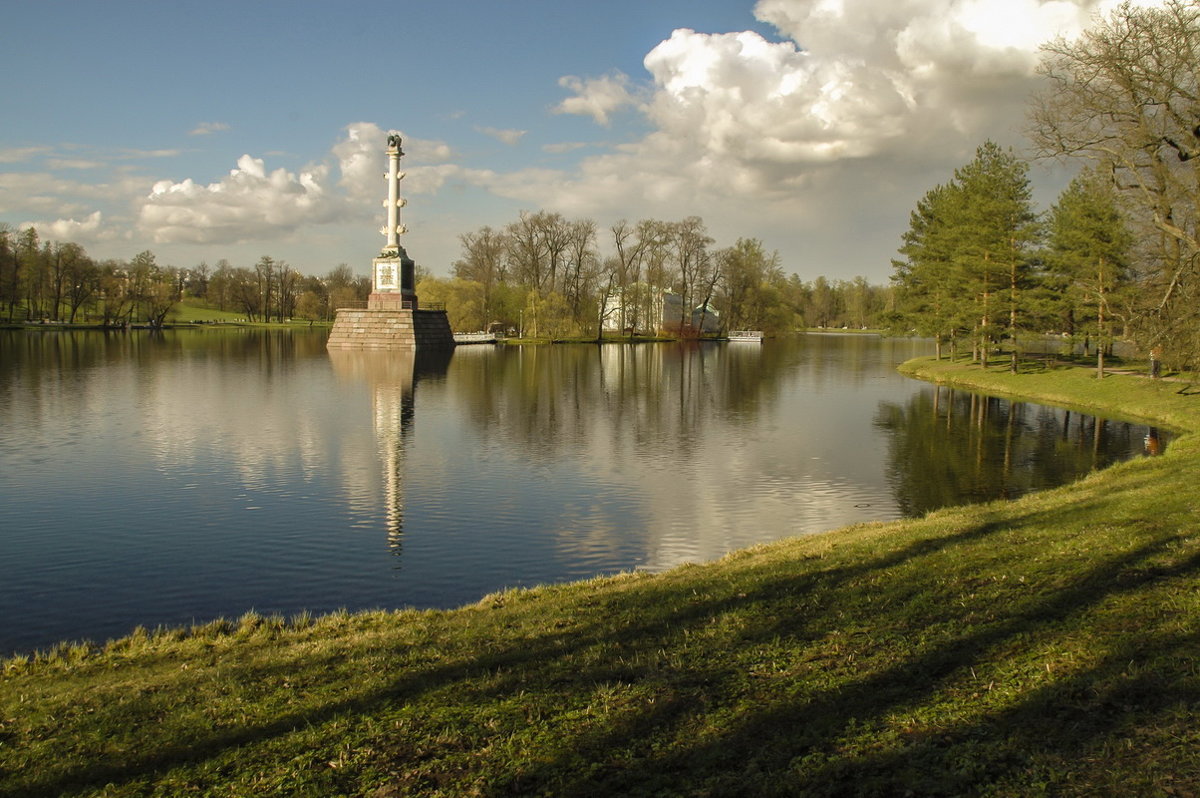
(177, 477)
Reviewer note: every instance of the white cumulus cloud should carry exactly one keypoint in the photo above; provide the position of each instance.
(362, 165)
(848, 79)
(358, 157)
(852, 78)
(256, 203)
(598, 98)
(248, 204)
(857, 106)
(86, 230)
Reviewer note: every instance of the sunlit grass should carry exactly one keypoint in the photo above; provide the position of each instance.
(1042, 646)
(193, 311)
(1171, 402)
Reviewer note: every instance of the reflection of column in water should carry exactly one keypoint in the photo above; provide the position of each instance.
(393, 412)
(1152, 444)
(394, 400)
(391, 377)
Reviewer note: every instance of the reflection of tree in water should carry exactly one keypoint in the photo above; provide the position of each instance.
(651, 397)
(392, 377)
(46, 363)
(952, 447)
(56, 351)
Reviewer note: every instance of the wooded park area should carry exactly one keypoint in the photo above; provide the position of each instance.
(980, 268)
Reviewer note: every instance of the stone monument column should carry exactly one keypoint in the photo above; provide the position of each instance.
(392, 278)
(392, 319)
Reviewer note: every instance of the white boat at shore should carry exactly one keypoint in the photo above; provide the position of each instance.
(475, 338)
(751, 336)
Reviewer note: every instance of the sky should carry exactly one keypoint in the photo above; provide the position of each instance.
(234, 130)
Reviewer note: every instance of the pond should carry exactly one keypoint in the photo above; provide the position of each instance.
(175, 477)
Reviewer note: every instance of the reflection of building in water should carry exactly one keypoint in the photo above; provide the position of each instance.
(392, 377)
(667, 422)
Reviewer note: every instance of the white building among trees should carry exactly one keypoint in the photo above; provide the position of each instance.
(647, 309)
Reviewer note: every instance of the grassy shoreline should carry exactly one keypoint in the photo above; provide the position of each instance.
(1042, 646)
(1172, 403)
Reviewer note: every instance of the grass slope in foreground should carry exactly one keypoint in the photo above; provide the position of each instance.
(1047, 645)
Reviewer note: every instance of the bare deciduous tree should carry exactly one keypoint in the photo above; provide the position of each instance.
(1126, 94)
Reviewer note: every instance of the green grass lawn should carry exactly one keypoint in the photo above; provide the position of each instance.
(192, 311)
(608, 339)
(1045, 646)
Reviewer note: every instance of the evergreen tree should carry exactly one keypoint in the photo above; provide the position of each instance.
(969, 256)
(997, 229)
(1089, 246)
(926, 280)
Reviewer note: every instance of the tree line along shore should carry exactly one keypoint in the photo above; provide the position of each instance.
(980, 268)
(1039, 646)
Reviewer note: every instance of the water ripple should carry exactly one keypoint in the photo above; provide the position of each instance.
(211, 475)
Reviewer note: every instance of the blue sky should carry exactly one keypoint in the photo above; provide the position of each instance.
(229, 130)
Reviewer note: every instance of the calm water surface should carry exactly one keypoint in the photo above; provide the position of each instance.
(178, 477)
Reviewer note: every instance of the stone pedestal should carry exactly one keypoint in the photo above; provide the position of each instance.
(384, 328)
(391, 301)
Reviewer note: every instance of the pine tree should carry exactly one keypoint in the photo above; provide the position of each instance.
(969, 255)
(1089, 248)
(926, 280)
(997, 230)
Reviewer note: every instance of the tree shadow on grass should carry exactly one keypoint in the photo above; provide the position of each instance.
(784, 744)
(800, 746)
(789, 744)
(663, 611)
